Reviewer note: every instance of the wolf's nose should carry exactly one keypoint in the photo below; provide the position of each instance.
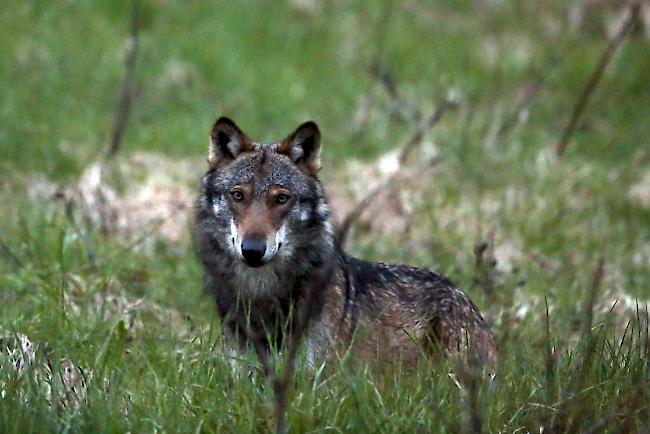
(253, 251)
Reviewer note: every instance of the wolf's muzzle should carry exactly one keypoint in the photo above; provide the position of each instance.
(253, 249)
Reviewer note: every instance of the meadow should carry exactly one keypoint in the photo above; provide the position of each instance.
(104, 326)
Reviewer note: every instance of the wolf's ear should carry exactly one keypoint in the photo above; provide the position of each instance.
(303, 147)
(227, 141)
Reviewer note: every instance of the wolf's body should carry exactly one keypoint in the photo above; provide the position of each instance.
(264, 235)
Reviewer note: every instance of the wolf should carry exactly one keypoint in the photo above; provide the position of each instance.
(263, 232)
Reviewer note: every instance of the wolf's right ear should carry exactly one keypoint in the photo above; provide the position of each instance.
(227, 141)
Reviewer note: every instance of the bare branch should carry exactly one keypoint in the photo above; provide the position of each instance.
(383, 25)
(485, 264)
(126, 89)
(530, 92)
(448, 103)
(400, 107)
(614, 44)
(397, 178)
(390, 184)
(375, 68)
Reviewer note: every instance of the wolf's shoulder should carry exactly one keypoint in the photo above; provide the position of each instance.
(370, 271)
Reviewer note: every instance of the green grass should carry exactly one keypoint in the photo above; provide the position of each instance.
(133, 315)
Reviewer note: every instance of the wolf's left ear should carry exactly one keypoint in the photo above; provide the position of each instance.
(227, 141)
(303, 147)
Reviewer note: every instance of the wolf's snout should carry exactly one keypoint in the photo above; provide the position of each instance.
(253, 250)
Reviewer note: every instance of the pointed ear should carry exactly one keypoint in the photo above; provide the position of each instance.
(227, 141)
(303, 147)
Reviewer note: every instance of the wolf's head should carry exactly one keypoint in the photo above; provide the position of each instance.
(262, 203)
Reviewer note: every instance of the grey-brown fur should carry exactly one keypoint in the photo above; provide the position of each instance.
(387, 312)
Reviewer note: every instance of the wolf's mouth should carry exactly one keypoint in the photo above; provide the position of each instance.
(256, 264)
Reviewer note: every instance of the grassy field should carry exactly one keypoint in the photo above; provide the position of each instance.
(121, 337)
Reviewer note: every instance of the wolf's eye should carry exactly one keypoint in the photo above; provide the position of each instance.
(282, 198)
(237, 195)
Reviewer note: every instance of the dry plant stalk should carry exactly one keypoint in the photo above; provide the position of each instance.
(375, 66)
(608, 54)
(448, 103)
(485, 264)
(568, 408)
(126, 89)
(393, 182)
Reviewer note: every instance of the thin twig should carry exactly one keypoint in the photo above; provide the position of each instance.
(614, 44)
(588, 310)
(84, 235)
(401, 109)
(470, 375)
(530, 92)
(586, 338)
(587, 321)
(128, 248)
(126, 89)
(485, 264)
(448, 103)
(382, 27)
(4, 248)
(390, 184)
(375, 69)
(399, 176)
(550, 364)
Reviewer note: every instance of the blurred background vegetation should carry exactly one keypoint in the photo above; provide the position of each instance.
(96, 263)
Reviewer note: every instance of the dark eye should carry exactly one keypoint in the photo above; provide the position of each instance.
(282, 198)
(237, 195)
